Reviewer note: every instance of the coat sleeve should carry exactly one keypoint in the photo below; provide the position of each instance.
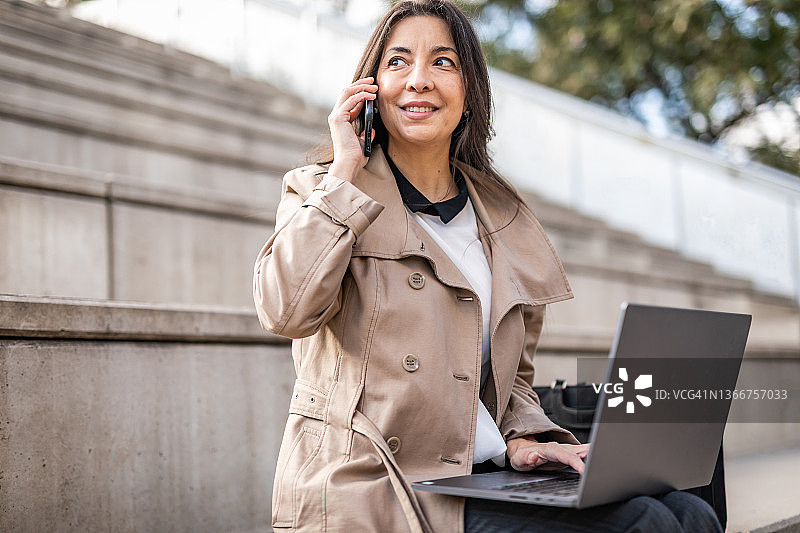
(524, 414)
(299, 271)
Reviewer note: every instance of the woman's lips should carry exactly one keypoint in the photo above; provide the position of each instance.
(418, 111)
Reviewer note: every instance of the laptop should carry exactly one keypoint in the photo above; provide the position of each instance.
(660, 416)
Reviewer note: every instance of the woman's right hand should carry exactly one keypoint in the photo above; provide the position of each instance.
(348, 155)
(525, 453)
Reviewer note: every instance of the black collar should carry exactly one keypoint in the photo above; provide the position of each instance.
(416, 201)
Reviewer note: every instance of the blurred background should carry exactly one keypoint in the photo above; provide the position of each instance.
(142, 143)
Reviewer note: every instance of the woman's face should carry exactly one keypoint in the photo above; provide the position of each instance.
(420, 90)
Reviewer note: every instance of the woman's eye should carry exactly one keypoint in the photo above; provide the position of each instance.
(396, 62)
(444, 62)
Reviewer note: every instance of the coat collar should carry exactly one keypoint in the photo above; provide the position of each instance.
(525, 267)
(521, 253)
(395, 233)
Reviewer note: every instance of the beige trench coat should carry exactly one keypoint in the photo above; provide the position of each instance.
(388, 349)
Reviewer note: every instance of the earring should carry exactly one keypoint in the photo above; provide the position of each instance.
(466, 114)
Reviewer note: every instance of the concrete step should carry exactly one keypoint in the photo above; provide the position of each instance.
(70, 318)
(53, 26)
(158, 100)
(620, 249)
(135, 367)
(640, 256)
(78, 233)
(586, 242)
(35, 135)
(156, 418)
(603, 247)
(117, 141)
(259, 145)
(162, 125)
(565, 222)
(590, 233)
(128, 63)
(762, 491)
(51, 193)
(211, 90)
(57, 179)
(589, 243)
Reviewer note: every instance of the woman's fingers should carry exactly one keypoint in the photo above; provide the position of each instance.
(364, 85)
(554, 452)
(348, 157)
(353, 105)
(372, 137)
(351, 100)
(537, 454)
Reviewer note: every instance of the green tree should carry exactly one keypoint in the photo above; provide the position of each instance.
(709, 66)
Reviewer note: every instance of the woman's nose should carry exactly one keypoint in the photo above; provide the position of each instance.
(419, 79)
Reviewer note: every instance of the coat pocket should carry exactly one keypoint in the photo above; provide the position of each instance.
(303, 436)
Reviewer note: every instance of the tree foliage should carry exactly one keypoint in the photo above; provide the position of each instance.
(707, 66)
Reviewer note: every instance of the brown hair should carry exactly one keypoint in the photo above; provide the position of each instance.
(473, 132)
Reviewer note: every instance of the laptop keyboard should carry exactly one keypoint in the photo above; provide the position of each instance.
(561, 486)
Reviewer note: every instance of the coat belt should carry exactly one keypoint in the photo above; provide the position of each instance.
(311, 401)
(405, 494)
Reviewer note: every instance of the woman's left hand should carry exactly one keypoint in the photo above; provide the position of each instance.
(525, 453)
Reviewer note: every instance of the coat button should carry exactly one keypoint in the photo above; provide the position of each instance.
(410, 362)
(416, 280)
(394, 444)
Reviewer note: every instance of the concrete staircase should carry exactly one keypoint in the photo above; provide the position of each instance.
(113, 112)
(131, 172)
(162, 151)
(119, 104)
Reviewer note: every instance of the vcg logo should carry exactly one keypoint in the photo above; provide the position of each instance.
(644, 381)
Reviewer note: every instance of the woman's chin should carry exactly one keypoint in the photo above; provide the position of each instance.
(421, 138)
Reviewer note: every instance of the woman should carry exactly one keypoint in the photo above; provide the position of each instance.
(414, 284)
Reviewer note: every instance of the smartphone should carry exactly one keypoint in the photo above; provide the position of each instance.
(369, 113)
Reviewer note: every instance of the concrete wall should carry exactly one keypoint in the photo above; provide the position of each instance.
(39, 257)
(143, 417)
(96, 235)
(137, 418)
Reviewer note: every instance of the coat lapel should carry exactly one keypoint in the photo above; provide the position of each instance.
(395, 233)
(525, 270)
(525, 267)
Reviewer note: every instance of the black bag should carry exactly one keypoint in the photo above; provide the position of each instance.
(572, 407)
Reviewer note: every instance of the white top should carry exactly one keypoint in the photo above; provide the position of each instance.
(460, 241)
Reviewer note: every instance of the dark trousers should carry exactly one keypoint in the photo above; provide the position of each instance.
(673, 512)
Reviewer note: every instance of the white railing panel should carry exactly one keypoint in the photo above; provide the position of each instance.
(742, 228)
(534, 146)
(299, 51)
(627, 182)
(211, 28)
